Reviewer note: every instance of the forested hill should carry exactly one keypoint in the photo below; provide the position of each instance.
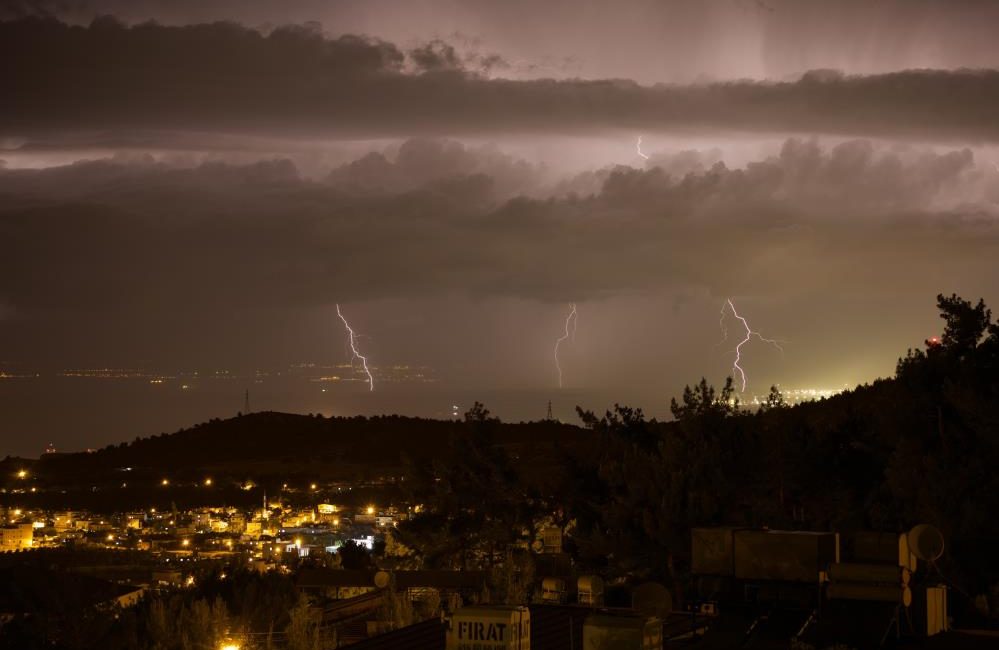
(282, 445)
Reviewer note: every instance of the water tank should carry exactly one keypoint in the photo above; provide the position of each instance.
(652, 599)
(590, 590)
(926, 542)
(553, 590)
(870, 592)
(622, 632)
(886, 574)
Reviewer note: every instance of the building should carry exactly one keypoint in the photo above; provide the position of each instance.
(16, 537)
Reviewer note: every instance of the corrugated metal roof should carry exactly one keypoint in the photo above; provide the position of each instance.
(317, 577)
(428, 635)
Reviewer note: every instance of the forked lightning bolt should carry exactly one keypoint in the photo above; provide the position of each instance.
(750, 333)
(571, 318)
(353, 348)
(638, 148)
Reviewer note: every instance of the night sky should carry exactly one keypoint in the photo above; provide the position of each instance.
(194, 185)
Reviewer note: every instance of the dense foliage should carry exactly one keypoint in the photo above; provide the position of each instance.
(919, 448)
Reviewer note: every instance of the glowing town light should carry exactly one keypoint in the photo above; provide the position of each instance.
(353, 349)
(572, 318)
(638, 148)
(165, 482)
(313, 486)
(186, 542)
(750, 333)
(22, 474)
(208, 482)
(371, 510)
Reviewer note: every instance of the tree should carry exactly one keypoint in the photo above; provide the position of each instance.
(966, 324)
(476, 501)
(303, 631)
(354, 557)
(701, 400)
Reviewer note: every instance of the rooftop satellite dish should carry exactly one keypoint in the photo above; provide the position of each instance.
(652, 599)
(383, 579)
(926, 542)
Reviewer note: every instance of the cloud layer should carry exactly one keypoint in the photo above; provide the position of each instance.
(435, 217)
(225, 77)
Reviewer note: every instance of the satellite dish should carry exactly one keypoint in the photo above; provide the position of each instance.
(652, 599)
(926, 542)
(383, 579)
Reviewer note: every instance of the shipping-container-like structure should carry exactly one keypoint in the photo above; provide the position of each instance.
(489, 628)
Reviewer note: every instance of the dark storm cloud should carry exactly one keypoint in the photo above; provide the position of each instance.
(295, 80)
(146, 237)
(418, 162)
(646, 40)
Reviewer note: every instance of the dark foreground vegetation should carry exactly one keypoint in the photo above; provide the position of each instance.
(922, 447)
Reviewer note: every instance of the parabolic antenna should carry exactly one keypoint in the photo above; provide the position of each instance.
(652, 599)
(926, 542)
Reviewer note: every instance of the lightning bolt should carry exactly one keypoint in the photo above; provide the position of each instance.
(353, 348)
(638, 148)
(721, 324)
(573, 318)
(750, 333)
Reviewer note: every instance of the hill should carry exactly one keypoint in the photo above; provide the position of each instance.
(267, 449)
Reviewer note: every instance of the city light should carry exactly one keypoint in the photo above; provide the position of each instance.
(22, 474)
(371, 510)
(186, 542)
(165, 482)
(229, 646)
(208, 482)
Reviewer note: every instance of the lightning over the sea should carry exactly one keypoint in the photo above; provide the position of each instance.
(750, 333)
(353, 348)
(638, 148)
(571, 318)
